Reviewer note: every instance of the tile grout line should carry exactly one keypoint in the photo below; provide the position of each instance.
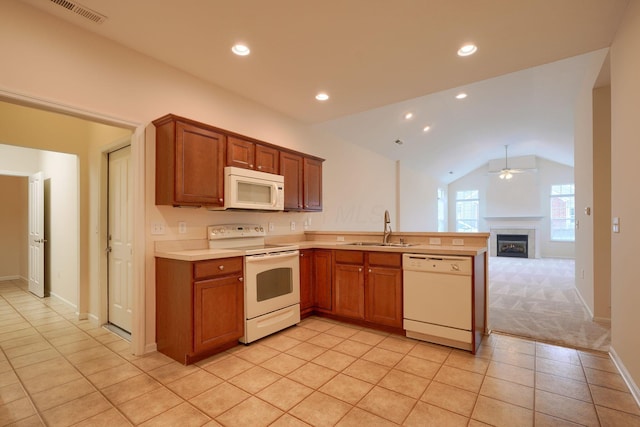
(65, 358)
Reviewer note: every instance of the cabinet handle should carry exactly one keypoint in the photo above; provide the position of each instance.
(306, 206)
(301, 254)
(221, 200)
(369, 270)
(221, 267)
(241, 279)
(359, 268)
(251, 166)
(260, 167)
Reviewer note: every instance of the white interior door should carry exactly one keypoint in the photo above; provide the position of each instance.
(36, 234)
(120, 239)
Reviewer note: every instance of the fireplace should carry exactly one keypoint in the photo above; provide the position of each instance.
(513, 245)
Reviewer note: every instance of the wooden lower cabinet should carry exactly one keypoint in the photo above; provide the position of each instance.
(323, 280)
(368, 286)
(199, 307)
(307, 297)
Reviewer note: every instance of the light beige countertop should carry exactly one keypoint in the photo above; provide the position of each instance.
(202, 253)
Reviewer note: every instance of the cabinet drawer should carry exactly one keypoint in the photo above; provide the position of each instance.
(217, 267)
(349, 257)
(384, 259)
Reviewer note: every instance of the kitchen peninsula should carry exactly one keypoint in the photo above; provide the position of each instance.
(347, 276)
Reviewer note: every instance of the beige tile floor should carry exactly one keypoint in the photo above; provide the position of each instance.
(57, 371)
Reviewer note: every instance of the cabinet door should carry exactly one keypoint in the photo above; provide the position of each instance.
(267, 159)
(306, 280)
(199, 165)
(312, 184)
(349, 290)
(323, 279)
(291, 168)
(384, 296)
(218, 312)
(240, 153)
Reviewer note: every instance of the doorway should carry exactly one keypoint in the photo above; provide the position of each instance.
(120, 241)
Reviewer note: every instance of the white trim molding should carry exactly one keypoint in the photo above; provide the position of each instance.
(626, 376)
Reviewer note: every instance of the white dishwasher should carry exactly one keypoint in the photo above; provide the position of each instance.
(438, 299)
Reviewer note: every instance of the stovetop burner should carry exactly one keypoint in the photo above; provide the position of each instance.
(247, 237)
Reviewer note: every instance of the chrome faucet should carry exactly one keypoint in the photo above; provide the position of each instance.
(387, 228)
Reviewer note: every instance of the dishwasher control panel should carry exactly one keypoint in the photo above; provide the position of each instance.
(437, 264)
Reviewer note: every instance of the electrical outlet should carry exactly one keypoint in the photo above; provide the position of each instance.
(340, 238)
(272, 226)
(434, 241)
(293, 226)
(157, 228)
(458, 242)
(182, 227)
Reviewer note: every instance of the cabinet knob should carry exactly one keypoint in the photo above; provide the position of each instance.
(251, 166)
(306, 206)
(221, 267)
(221, 200)
(369, 270)
(260, 167)
(359, 268)
(301, 254)
(241, 279)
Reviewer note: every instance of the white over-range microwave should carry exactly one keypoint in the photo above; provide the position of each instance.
(249, 189)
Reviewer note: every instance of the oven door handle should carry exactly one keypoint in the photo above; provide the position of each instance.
(271, 256)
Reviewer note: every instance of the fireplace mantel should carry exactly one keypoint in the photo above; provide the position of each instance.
(513, 218)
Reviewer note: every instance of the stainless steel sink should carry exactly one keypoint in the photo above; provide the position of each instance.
(396, 245)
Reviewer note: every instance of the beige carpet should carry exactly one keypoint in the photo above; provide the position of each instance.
(536, 298)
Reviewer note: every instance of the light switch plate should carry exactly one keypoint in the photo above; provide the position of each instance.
(182, 227)
(434, 241)
(458, 242)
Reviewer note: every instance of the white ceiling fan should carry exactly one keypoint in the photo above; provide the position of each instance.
(506, 172)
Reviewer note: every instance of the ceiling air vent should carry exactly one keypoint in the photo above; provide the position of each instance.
(81, 10)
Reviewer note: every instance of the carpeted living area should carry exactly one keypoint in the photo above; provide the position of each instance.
(536, 298)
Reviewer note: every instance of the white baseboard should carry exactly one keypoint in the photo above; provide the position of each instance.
(150, 348)
(63, 300)
(586, 306)
(605, 321)
(6, 278)
(626, 376)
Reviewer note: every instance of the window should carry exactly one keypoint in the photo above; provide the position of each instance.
(563, 213)
(467, 207)
(442, 202)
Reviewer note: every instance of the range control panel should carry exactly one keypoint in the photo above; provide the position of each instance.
(235, 231)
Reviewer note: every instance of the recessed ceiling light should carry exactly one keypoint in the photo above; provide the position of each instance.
(467, 49)
(426, 128)
(461, 95)
(322, 96)
(241, 49)
(408, 116)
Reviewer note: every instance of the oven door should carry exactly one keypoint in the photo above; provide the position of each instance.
(272, 282)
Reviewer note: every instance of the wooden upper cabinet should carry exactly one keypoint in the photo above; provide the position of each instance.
(291, 168)
(246, 154)
(240, 153)
(302, 182)
(312, 184)
(189, 163)
(267, 159)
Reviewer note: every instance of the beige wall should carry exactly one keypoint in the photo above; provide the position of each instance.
(14, 230)
(71, 223)
(90, 73)
(536, 186)
(602, 203)
(625, 203)
(60, 174)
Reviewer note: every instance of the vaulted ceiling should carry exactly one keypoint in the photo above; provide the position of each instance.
(379, 59)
